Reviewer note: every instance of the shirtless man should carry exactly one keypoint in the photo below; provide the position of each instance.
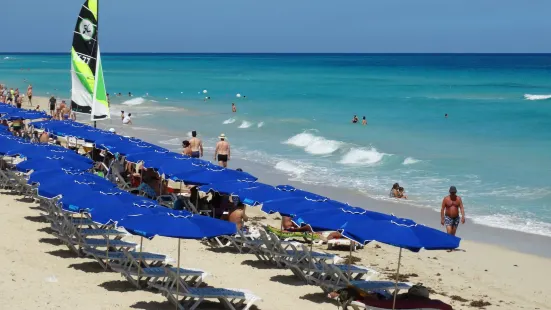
(237, 214)
(196, 145)
(222, 151)
(233, 108)
(449, 215)
(44, 137)
(30, 94)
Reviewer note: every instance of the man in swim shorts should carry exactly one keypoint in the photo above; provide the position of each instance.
(222, 151)
(196, 145)
(449, 214)
(52, 105)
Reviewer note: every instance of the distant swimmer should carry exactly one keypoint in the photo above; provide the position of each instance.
(355, 119)
(452, 206)
(206, 98)
(127, 120)
(196, 145)
(364, 121)
(446, 115)
(222, 151)
(129, 94)
(233, 108)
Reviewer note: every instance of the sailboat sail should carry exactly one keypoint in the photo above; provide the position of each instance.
(88, 93)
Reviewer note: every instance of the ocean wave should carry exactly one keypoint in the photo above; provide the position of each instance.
(245, 124)
(537, 97)
(260, 124)
(361, 156)
(173, 141)
(144, 128)
(512, 222)
(229, 121)
(9, 58)
(313, 144)
(134, 101)
(289, 167)
(410, 161)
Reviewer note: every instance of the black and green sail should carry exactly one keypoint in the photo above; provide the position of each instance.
(88, 94)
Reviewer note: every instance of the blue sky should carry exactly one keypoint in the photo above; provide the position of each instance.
(286, 25)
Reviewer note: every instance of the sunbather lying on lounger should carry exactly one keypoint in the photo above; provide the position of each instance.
(289, 226)
(408, 300)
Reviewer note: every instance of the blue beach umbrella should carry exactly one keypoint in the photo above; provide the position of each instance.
(230, 188)
(373, 226)
(107, 207)
(212, 174)
(262, 194)
(181, 225)
(296, 205)
(71, 186)
(47, 164)
(60, 176)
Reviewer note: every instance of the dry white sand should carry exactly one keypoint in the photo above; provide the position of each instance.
(40, 272)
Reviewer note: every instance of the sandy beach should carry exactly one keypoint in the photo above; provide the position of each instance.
(41, 271)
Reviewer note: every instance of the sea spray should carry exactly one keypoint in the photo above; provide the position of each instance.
(245, 124)
(313, 144)
(362, 156)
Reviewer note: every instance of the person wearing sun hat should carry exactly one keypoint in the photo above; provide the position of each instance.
(452, 205)
(222, 151)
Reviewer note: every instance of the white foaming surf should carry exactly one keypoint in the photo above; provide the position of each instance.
(245, 124)
(173, 141)
(260, 124)
(289, 168)
(537, 97)
(410, 161)
(229, 121)
(313, 144)
(134, 101)
(362, 156)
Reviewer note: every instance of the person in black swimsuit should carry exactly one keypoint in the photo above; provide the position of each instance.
(354, 119)
(52, 106)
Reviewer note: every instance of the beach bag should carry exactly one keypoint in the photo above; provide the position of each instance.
(418, 290)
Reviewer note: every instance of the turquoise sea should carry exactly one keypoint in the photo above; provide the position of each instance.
(295, 112)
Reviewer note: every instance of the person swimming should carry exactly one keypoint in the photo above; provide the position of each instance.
(364, 121)
(354, 119)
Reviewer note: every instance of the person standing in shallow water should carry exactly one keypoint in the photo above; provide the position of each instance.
(364, 121)
(222, 151)
(452, 205)
(233, 108)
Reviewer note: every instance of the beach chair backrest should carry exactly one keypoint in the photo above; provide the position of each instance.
(71, 142)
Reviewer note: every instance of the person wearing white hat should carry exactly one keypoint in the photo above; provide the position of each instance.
(112, 130)
(222, 151)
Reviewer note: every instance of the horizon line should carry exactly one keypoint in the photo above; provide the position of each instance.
(283, 53)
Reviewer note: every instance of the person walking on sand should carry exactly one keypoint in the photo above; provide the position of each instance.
(222, 151)
(233, 107)
(30, 94)
(52, 106)
(452, 205)
(196, 145)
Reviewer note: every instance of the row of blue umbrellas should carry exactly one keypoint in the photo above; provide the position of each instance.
(320, 212)
(10, 113)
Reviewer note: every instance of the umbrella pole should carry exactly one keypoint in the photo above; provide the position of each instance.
(396, 280)
(141, 260)
(178, 276)
(350, 259)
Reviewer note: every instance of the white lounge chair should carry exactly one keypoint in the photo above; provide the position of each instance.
(190, 298)
(149, 269)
